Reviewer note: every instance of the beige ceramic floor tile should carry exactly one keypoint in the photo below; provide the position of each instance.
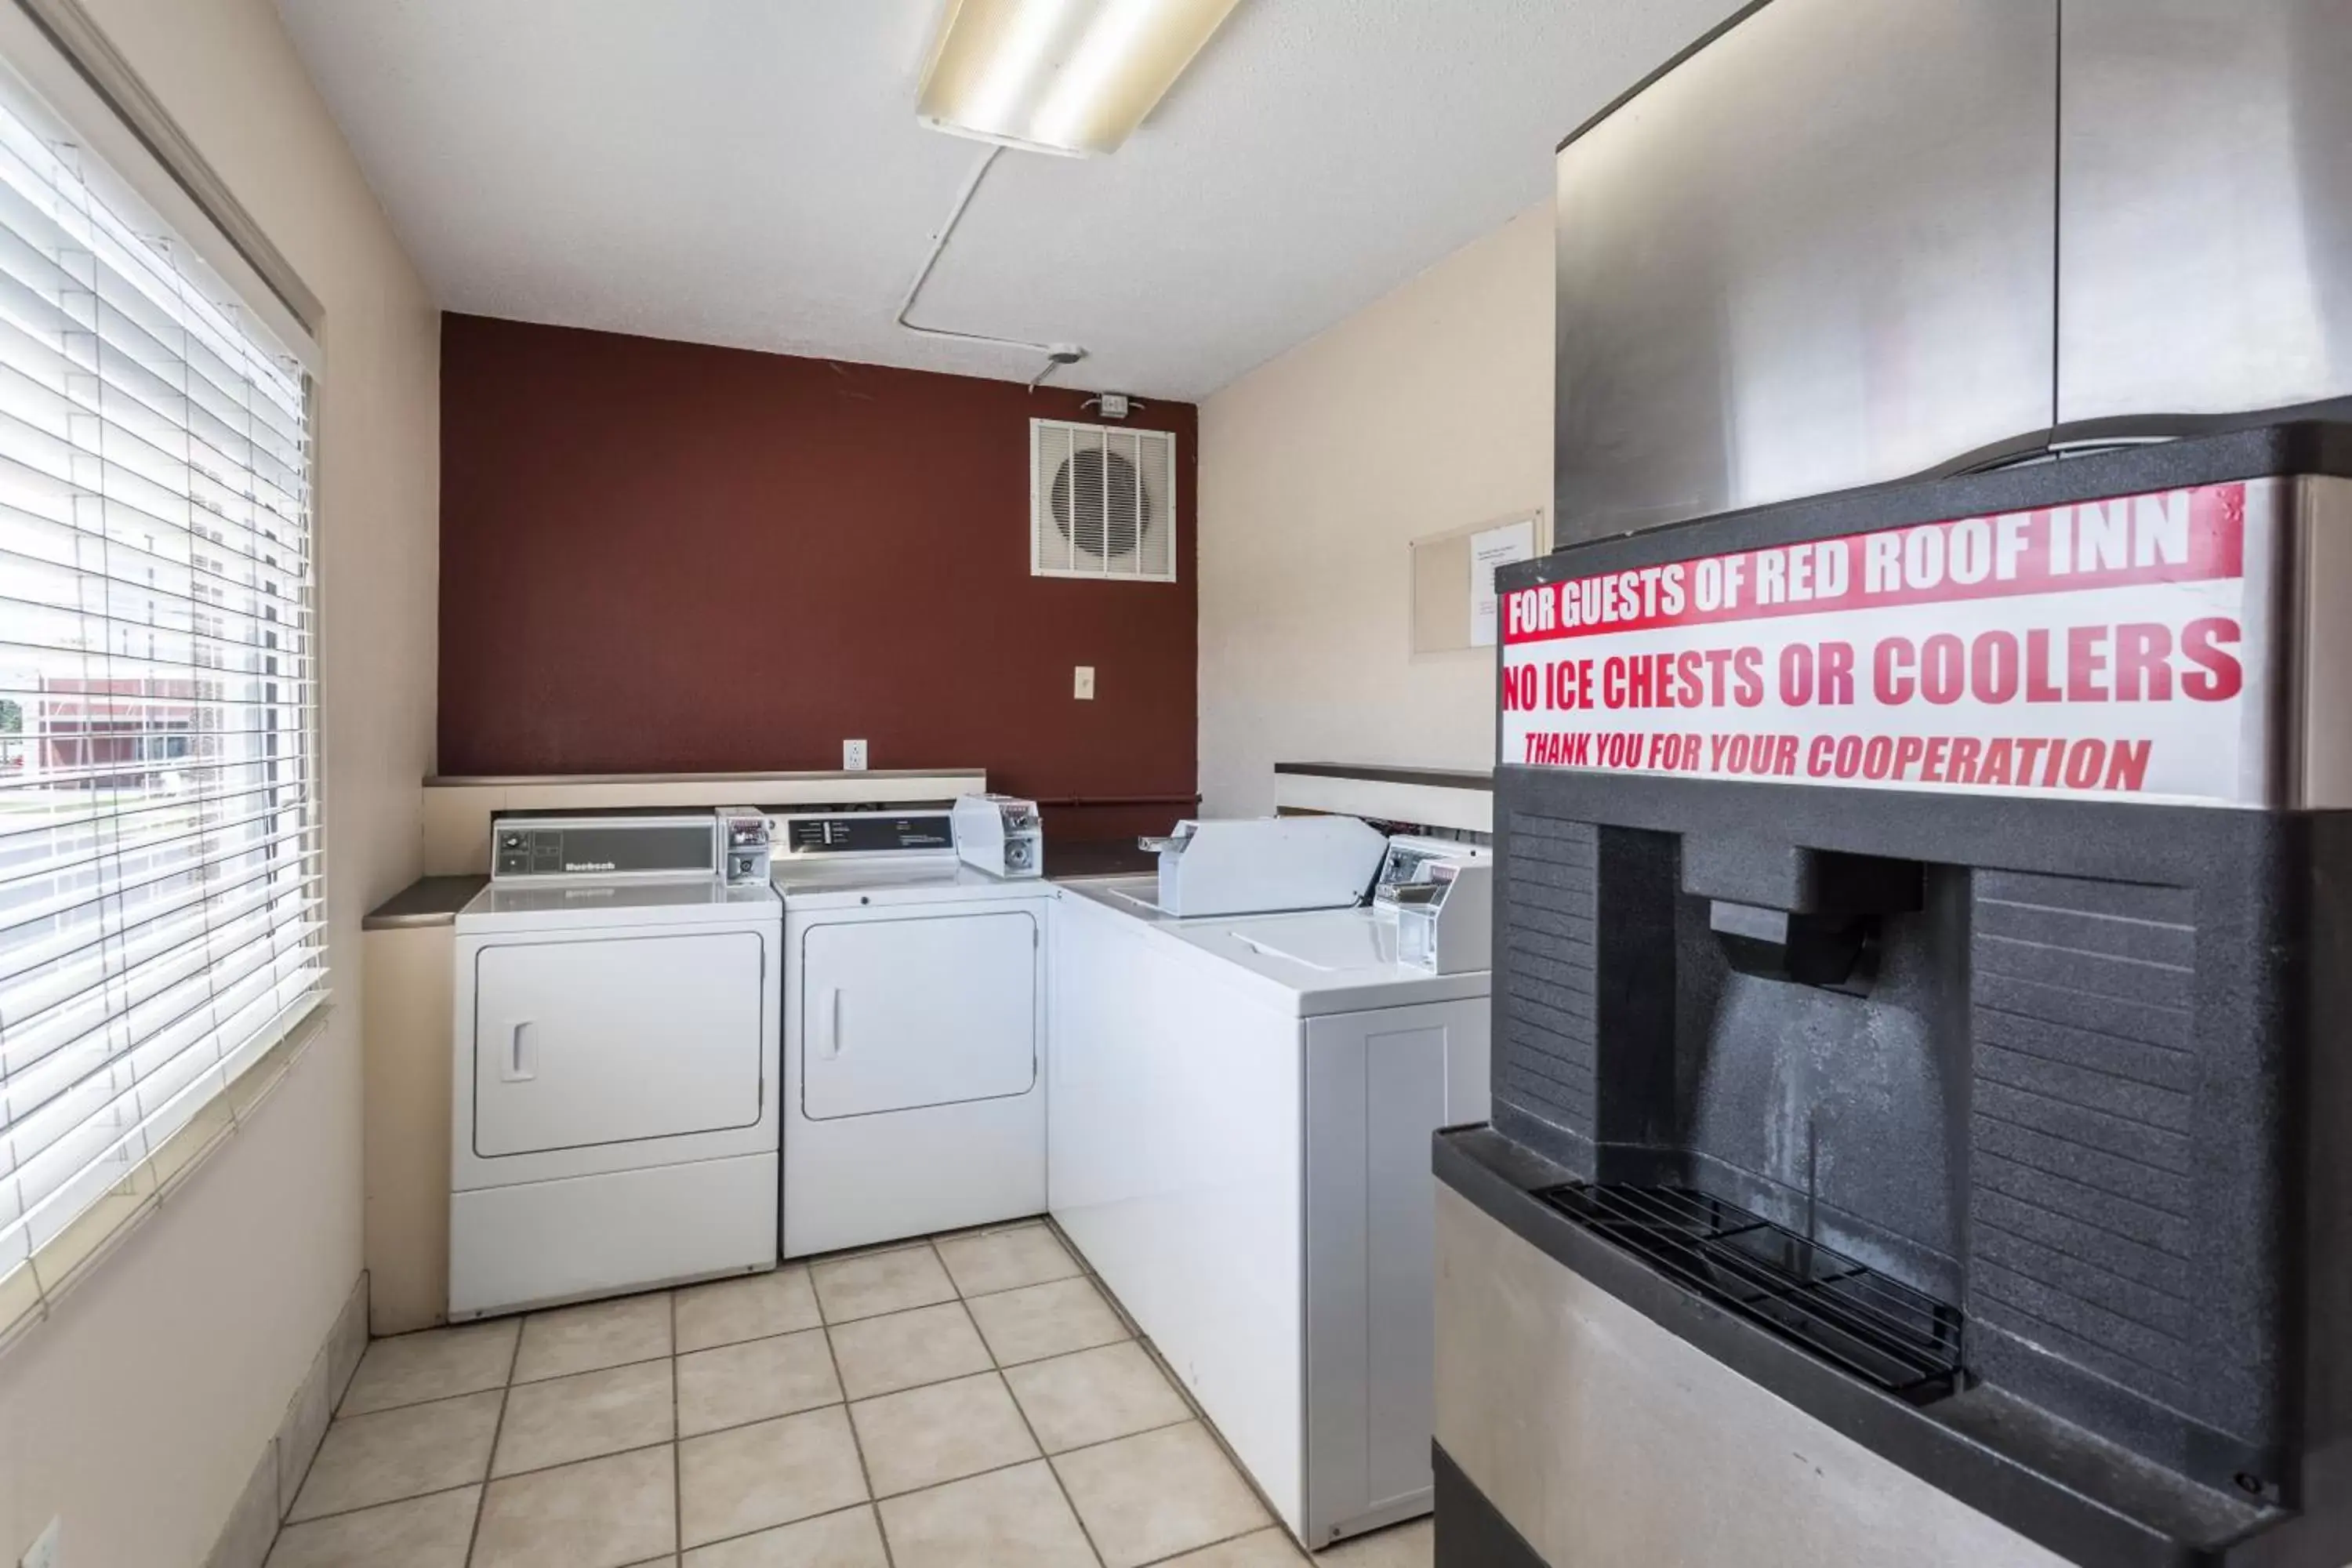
(727, 1311)
(850, 1539)
(1007, 1519)
(1412, 1545)
(906, 1350)
(601, 1513)
(437, 1363)
(581, 1416)
(1006, 1260)
(752, 1478)
(737, 1384)
(878, 1282)
(592, 1335)
(1042, 1321)
(1147, 1496)
(1095, 1395)
(423, 1532)
(1266, 1549)
(926, 1436)
(402, 1453)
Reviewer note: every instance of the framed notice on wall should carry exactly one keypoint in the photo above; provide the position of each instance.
(1455, 607)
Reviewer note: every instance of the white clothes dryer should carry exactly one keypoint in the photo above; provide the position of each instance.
(914, 1001)
(619, 1052)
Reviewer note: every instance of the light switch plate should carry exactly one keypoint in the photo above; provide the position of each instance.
(853, 756)
(1083, 688)
(42, 1553)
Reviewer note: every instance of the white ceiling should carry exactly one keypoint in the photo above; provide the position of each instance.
(750, 172)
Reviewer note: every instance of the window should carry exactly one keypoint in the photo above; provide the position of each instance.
(160, 915)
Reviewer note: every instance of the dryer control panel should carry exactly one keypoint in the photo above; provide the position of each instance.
(609, 847)
(805, 832)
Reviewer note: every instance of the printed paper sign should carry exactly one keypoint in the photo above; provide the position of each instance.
(2098, 650)
(1489, 548)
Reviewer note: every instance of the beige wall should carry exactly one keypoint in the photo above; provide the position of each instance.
(137, 1411)
(1428, 411)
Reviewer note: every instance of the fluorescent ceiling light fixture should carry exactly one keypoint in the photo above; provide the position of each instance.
(1060, 76)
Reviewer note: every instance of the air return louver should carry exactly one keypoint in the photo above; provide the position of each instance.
(1102, 503)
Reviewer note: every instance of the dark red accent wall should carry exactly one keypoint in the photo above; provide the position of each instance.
(667, 557)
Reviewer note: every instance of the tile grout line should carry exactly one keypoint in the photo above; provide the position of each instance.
(527, 1383)
(1273, 1513)
(678, 1444)
(996, 1367)
(680, 1436)
(871, 1499)
(1268, 1524)
(1152, 1351)
(806, 1266)
(867, 1506)
(389, 1502)
(856, 1446)
(490, 1460)
(1275, 1525)
(1084, 1532)
(1030, 1426)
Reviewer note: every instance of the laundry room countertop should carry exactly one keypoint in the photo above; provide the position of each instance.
(1113, 858)
(426, 902)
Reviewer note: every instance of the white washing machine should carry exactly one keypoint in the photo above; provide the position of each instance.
(618, 1049)
(1243, 1109)
(914, 1001)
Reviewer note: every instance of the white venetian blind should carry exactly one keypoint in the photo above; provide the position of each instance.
(160, 879)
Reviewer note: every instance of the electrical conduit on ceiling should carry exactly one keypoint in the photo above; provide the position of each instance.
(1056, 355)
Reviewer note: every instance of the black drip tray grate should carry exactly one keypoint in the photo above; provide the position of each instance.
(1877, 1329)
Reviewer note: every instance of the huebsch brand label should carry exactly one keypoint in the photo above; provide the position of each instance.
(2092, 650)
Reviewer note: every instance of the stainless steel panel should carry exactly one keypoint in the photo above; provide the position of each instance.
(1606, 1441)
(1814, 255)
(2319, 708)
(2205, 261)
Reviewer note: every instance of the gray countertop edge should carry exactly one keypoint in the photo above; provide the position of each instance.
(426, 902)
(1382, 773)
(516, 781)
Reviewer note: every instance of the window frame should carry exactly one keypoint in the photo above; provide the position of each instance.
(81, 90)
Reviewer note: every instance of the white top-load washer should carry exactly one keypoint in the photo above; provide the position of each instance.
(1243, 1108)
(618, 1048)
(914, 1002)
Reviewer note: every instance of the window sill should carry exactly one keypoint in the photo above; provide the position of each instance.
(30, 1292)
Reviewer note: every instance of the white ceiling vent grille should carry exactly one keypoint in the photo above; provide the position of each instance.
(1102, 503)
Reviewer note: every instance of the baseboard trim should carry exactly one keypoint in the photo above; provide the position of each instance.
(269, 1494)
(1471, 1531)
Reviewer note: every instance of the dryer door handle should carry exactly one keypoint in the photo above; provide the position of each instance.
(829, 1008)
(522, 1052)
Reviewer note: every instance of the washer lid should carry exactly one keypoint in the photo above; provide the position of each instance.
(1356, 940)
(1308, 962)
(701, 900)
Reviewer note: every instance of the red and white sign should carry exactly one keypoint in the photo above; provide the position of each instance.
(2095, 650)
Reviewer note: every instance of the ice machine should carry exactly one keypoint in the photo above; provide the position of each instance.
(1921, 1129)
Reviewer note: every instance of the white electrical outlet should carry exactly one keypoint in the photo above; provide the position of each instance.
(42, 1553)
(853, 756)
(1083, 687)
